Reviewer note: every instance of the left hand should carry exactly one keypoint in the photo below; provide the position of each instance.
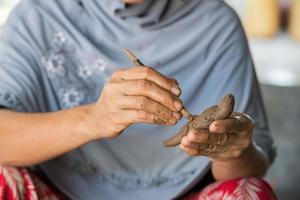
(224, 141)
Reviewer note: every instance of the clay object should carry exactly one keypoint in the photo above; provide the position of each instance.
(218, 112)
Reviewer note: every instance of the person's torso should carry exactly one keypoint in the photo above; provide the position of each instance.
(79, 51)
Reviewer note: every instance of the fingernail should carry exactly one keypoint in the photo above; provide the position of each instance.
(177, 115)
(185, 141)
(216, 127)
(176, 90)
(178, 105)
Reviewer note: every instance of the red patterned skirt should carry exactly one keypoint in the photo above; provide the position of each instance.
(23, 184)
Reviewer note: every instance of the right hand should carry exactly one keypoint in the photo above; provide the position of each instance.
(134, 95)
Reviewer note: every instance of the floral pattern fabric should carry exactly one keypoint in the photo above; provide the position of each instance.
(23, 184)
(77, 74)
(248, 188)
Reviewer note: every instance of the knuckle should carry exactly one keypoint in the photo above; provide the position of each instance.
(141, 102)
(147, 71)
(143, 71)
(167, 100)
(142, 85)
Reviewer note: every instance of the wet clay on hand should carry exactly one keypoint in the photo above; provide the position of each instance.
(218, 112)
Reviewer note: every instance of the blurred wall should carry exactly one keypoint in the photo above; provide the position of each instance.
(277, 62)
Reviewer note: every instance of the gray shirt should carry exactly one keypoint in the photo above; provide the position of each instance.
(56, 55)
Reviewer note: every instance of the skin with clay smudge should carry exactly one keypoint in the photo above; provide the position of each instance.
(202, 121)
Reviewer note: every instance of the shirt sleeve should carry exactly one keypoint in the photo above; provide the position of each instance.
(21, 81)
(234, 72)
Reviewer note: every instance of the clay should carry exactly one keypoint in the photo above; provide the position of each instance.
(218, 112)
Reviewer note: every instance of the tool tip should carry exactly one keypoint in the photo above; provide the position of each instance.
(130, 54)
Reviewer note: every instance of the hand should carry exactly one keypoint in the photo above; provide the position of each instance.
(224, 141)
(134, 95)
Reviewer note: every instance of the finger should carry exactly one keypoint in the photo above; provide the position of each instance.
(234, 124)
(138, 116)
(190, 151)
(148, 73)
(196, 152)
(224, 139)
(198, 136)
(151, 90)
(149, 106)
(203, 146)
(211, 138)
(231, 125)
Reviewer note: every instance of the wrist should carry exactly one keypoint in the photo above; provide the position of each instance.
(253, 151)
(245, 165)
(94, 122)
(83, 125)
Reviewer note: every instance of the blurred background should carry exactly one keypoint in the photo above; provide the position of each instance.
(273, 29)
(5, 8)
